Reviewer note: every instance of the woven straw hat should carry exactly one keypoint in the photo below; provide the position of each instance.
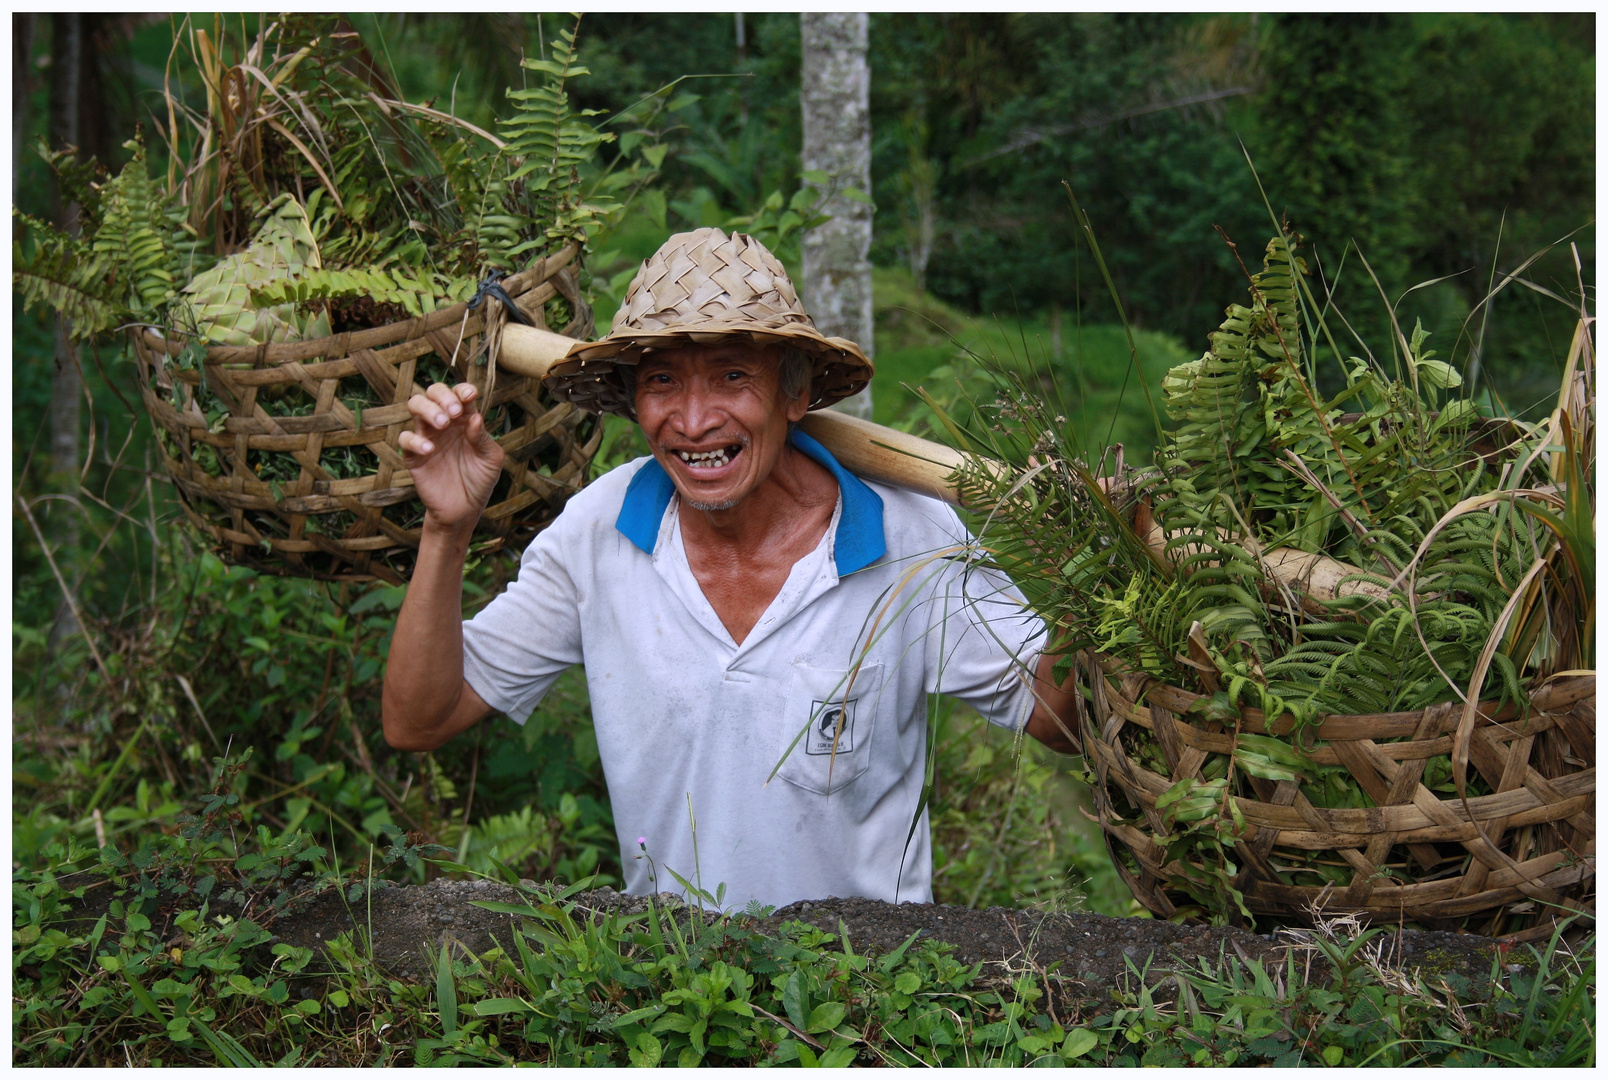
(706, 288)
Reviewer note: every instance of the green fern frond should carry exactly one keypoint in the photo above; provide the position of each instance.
(419, 292)
(75, 179)
(136, 235)
(537, 201)
(64, 274)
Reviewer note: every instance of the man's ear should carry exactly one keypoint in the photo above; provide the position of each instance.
(798, 406)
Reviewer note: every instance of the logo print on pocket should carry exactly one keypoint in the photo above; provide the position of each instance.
(824, 727)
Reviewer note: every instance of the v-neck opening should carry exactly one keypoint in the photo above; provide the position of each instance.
(807, 578)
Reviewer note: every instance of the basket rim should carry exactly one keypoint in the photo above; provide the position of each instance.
(350, 341)
(1555, 691)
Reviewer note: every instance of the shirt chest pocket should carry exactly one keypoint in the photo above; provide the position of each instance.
(830, 721)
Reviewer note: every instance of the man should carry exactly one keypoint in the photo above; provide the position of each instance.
(760, 629)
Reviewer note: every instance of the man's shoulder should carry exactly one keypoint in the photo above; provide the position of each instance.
(603, 496)
(589, 516)
(913, 524)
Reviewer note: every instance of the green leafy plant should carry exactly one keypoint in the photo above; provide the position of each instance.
(1003, 820)
(780, 222)
(1419, 523)
(399, 208)
(128, 259)
(195, 671)
(164, 977)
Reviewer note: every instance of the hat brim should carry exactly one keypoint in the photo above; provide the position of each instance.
(585, 376)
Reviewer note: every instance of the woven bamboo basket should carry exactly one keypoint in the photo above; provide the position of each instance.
(1514, 860)
(293, 480)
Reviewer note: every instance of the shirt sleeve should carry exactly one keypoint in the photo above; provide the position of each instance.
(519, 644)
(983, 640)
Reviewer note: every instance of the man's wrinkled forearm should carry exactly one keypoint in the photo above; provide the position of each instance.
(423, 701)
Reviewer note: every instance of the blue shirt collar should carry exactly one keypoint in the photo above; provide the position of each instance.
(859, 540)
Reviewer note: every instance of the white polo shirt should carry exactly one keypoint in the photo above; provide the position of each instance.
(889, 608)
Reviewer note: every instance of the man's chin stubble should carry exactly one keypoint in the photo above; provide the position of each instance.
(708, 507)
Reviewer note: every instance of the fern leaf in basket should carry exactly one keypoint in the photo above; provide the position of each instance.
(416, 292)
(1243, 405)
(136, 234)
(535, 204)
(122, 266)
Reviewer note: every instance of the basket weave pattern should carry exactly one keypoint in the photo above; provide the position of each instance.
(1494, 864)
(362, 527)
(707, 288)
(711, 284)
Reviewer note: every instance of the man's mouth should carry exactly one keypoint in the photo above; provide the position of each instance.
(709, 459)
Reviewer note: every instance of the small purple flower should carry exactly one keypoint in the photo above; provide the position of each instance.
(642, 841)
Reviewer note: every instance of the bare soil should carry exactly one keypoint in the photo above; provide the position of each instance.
(1088, 956)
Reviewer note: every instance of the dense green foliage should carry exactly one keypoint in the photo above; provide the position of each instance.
(1413, 136)
(1441, 144)
(132, 960)
(1393, 456)
(224, 658)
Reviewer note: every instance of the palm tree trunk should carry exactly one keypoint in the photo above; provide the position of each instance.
(836, 95)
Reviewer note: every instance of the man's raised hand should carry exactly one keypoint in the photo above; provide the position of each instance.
(453, 459)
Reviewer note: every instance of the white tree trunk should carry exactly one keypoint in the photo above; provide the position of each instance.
(836, 95)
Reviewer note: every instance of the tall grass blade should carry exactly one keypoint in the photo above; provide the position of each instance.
(1087, 228)
(229, 1050)
(446, 993)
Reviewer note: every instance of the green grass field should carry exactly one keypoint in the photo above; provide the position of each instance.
(922, 342)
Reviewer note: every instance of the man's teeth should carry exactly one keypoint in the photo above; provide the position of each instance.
(708, 459)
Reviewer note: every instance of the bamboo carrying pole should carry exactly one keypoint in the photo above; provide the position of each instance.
(528, 351)
(915, 464)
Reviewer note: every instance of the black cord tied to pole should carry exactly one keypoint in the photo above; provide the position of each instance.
(491, 288)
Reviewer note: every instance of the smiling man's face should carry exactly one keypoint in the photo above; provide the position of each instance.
(715, 419)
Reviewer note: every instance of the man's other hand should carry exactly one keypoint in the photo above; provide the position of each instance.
(1056, 709)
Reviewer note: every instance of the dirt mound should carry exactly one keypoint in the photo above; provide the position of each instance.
(1091, 954)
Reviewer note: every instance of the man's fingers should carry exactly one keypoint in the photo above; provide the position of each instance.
(414, 443)
(426, 410)
(478, 435)
(437, 406)
(448, 401)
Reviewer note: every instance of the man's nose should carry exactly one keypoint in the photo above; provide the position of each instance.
(699, 409)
